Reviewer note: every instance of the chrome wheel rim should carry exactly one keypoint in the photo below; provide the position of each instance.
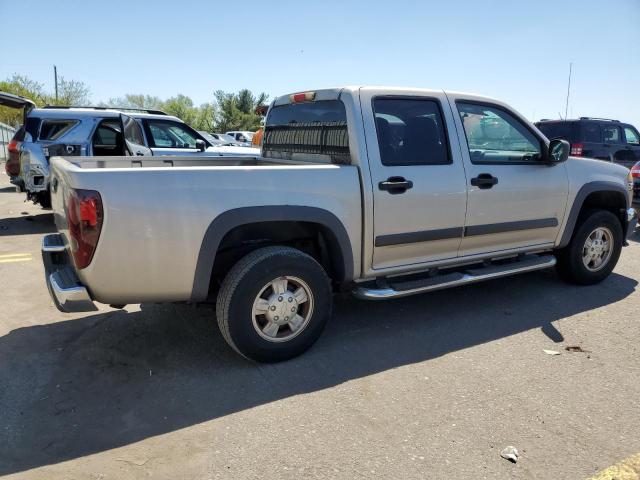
(597, 249)
(282, 309)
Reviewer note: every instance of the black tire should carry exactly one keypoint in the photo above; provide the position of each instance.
(44, 199)
(243, 284)
(570, 265)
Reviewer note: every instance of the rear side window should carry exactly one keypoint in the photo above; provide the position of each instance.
(632, 136)
(54, 129)
(592, 133)
(410, 132)
(564, 130)
(313, 131)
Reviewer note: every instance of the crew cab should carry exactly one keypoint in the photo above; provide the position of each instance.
(384, 192)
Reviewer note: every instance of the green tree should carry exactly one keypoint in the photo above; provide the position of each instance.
(135, 100)
(25, 87)
(182, 107)
(71, 92)
(237, 111)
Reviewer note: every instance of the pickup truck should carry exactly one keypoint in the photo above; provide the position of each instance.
(383, 192)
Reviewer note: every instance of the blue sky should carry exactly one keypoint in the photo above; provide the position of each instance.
(514, 50)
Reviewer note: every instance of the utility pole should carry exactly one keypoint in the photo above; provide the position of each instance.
(55, 78)
(566, 108)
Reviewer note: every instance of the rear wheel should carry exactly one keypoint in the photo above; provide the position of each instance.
(594, 249)
(274, 304)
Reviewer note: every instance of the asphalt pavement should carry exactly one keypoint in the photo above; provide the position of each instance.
(426, 387)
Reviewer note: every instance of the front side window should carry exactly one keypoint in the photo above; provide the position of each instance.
(496, 136)
(167, 134)
(632, 136)
(611, 134)
(54, 129)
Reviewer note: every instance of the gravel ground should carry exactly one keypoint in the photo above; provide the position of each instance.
(431, 386)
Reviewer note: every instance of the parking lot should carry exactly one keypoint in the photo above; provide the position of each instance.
(430, 386)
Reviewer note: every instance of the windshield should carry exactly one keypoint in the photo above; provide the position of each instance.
(210, 138)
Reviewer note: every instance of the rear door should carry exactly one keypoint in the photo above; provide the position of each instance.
(614, 144)
(133, 137)
(418, 179)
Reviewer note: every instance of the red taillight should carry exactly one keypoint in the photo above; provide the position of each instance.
(576, 149)
(84, 218)
(12, 166)
(635, 171)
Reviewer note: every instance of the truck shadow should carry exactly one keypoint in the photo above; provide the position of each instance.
(27, 225)
(82, 386)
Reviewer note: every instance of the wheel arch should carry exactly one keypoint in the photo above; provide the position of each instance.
(332, 229)
(600, 194)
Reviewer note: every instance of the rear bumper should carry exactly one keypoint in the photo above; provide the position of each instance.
(66, 290)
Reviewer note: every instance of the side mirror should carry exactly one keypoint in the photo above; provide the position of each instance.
(200, 145)
(558, 151)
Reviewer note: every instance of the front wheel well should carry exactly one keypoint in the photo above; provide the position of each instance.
(312, 238)
(611, 201)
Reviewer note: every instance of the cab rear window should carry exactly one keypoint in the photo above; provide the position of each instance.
(311, 131)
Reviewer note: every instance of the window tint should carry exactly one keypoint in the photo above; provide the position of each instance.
(169, 134)
(54, 129)
(564, 130)
(410, 132)
(592, 133)
(496, 136)
(611, 134)
(107, 133)
(32, 125)
(631, 135)
(312, 131)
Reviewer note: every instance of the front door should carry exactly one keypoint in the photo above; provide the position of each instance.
(515, 200)
(632, 144)
(418, 179)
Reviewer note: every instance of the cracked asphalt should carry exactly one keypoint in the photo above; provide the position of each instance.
(430, 386)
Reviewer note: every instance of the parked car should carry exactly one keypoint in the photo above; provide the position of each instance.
(243, 137)
(97, 131)
(385, 192)
(635, 174)
(599, 138)
(227, 139)
(230, 148)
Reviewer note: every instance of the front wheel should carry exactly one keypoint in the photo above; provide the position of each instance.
(594, 249)
(274, 304)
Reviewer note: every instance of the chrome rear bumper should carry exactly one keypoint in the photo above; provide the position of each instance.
(66, 290)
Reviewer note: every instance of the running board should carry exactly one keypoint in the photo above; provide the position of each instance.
(527, 263)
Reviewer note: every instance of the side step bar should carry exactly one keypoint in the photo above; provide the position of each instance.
(528, 263)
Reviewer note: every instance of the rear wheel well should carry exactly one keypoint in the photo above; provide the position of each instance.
(311, 238)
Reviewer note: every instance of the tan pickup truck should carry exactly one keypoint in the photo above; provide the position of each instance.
(385, 192)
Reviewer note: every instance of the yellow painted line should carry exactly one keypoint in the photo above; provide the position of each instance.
(13, 260)
(13, 255)
(627, 469)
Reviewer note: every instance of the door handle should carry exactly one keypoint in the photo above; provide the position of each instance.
(140, 154)
(484, 181)
(395, 185)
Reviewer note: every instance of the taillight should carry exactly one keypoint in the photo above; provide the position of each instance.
(635, 170)
(84, 218)
(576, 149)
(12, 166)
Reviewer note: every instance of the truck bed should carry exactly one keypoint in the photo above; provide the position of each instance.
(179, 161)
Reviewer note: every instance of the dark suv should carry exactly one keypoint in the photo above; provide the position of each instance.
(600, 138)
